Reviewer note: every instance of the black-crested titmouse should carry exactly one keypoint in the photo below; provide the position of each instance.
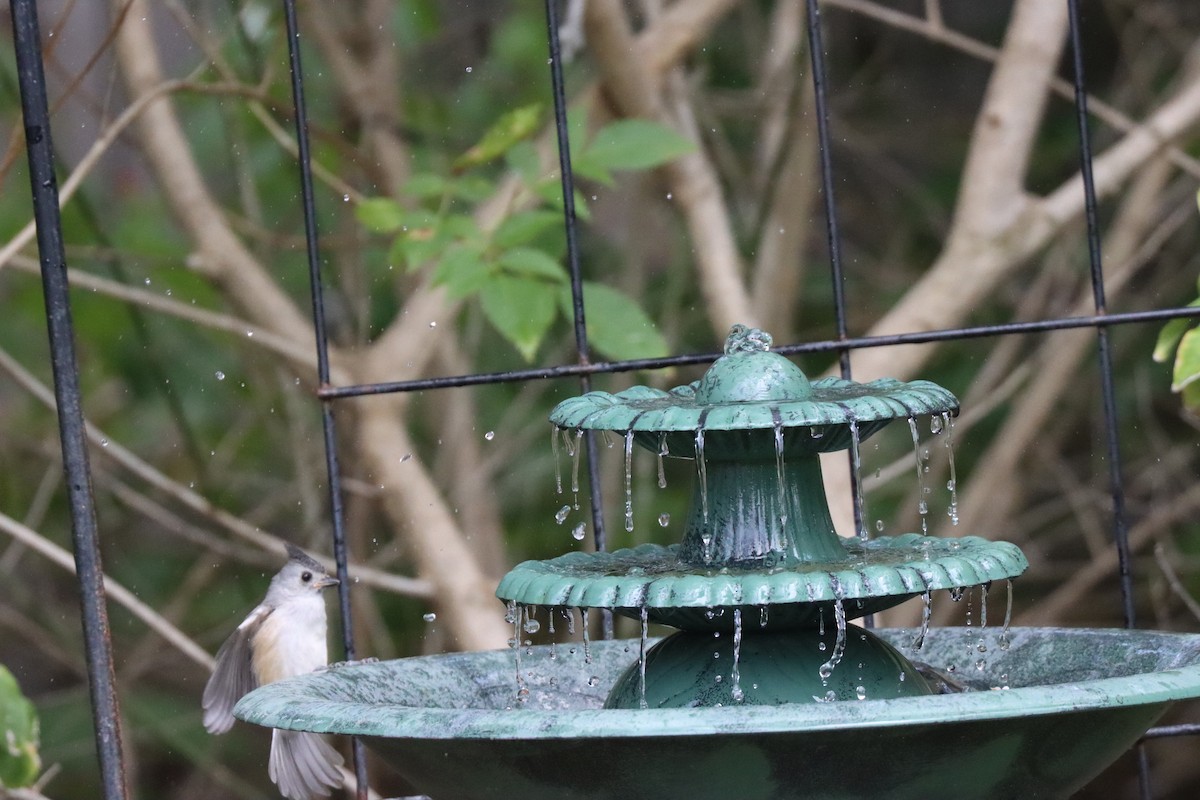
(283, 636)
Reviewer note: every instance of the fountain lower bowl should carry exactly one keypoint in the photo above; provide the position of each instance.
(1078, 699)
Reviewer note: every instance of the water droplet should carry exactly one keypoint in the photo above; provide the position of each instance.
(594, 680)
(469, 69)
(345, 198)
(664, 519)
(104, 442)
(561, 516)
(532, 626)
(577, 533)
(860, 692)
(405, 457)
(430, 617)
(489, 435)
(433, 324)
(220, 375)
(879, 525)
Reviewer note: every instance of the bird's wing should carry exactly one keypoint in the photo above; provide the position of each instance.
(233, 675)
(303, 765)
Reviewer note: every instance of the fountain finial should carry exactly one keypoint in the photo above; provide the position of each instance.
(744, 339)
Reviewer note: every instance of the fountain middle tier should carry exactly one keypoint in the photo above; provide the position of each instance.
(870, 576)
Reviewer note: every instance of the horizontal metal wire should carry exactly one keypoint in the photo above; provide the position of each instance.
(826, 346)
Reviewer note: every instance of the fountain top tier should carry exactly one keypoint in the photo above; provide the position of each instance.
(751, 389)
(759, 533)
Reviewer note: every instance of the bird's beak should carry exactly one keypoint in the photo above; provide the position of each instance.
(325, 580)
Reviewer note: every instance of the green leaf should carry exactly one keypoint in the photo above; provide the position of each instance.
(635, 144)
(472, 188)
(577, 127)
(425, 185)
(1170, 335)
(532, 264)
(380, 214)
(462, 270)
(617, 327)
(523, 159)
(525, 226)
(522, 310)
(1187, 361)
(506, 132)
(19, 759)
(1191, 397)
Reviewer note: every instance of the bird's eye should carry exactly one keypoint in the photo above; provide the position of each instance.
(306, 577)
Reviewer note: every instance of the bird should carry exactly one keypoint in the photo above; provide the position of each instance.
(282, 637)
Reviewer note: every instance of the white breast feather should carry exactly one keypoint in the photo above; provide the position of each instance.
(291, 641)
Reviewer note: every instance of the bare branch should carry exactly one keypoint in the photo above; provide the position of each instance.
(153, 620)
(220, 254)
(692, 178)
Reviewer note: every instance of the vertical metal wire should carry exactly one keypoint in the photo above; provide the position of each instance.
(85, 534)
(582, 348)
(322, 343)
(817, 55)
(1112, 437)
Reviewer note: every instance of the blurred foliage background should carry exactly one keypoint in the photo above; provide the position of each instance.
(955, 153)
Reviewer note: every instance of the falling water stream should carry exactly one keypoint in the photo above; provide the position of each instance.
(642, 657)
(779, 478)
(662, 453)
(629, 480)
(736, 677)
(839, 644)
(922, 503)
(574, 449)
(856, 467)
(555, 433)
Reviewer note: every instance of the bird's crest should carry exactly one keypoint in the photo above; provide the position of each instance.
(302, 558)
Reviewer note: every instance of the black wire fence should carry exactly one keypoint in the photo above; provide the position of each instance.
(85, 531)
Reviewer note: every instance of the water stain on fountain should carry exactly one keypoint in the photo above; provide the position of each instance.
(765, 693)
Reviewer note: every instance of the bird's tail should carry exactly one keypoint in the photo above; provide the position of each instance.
(303, 765)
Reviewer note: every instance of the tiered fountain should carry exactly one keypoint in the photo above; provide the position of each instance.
(765, 693)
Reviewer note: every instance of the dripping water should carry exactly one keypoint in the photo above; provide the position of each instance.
(926, 613)
(569, 615)
(662, 453)
(839, 644)
(642, 657)
(762, 616)
(575, 449)
(736, 677)
(629, 480)
(555, 432)
(550, 631)
(587, 637)
(856, 466)
(952, 484)
(702, 473)
(922, 504)
(783, 517)
(516, 613)
(1007, 618)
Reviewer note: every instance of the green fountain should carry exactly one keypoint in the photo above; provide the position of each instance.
(765, 692)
